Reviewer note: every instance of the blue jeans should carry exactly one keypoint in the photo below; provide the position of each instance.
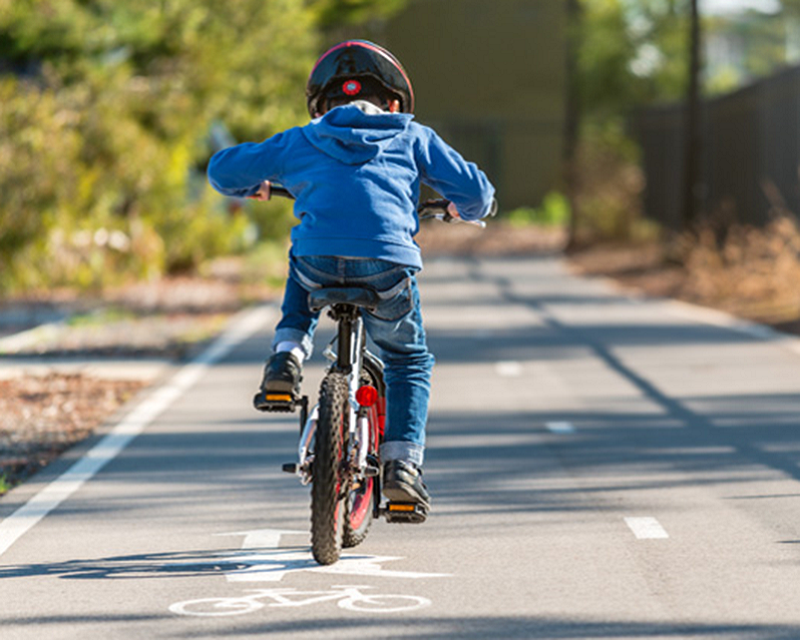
(395, 327)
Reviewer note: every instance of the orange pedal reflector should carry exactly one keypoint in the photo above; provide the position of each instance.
(283, 397)
(401, 507)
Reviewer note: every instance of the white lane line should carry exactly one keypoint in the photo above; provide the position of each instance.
(646, 528)
(722, 319)
(560, 427)
(25, 339)
(508, 369)
(29, 514)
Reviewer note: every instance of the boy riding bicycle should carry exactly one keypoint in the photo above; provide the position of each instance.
(355, 172)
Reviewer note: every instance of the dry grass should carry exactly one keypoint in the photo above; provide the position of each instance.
(753, 273)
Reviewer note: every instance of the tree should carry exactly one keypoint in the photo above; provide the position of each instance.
(106, 115)
(693, 144)
(572, 118)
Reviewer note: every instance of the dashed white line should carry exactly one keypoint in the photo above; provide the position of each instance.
(508, 369)
(29, 514)
(646, 528)
(560, 427)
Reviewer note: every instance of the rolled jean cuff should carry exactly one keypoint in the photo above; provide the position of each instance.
(294, 335)
(402, 450)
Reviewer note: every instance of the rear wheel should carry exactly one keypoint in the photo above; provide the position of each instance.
(361, 497)
(327, 495)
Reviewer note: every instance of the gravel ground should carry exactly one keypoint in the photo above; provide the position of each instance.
(40, 417)
(46, 408)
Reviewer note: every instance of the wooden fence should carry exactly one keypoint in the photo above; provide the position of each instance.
(750, 154)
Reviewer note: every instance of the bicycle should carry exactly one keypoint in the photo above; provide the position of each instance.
(338, 451)
(347, 597)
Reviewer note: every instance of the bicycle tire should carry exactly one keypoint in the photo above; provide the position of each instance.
(360, 503)
(327, 504)
(384, 603)
(215, 607)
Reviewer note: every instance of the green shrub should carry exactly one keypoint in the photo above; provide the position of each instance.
(104, 128)
(553, 211)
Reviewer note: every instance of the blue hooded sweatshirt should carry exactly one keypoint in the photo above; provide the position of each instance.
(355, 174)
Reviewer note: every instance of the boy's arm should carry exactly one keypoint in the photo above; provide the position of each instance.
(459, 181)
(240, 171)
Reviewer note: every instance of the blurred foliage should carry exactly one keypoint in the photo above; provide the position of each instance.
(106, 110)
(553, 211)
(610, 187)
(745, 46)
(635, 53)
(630, 53)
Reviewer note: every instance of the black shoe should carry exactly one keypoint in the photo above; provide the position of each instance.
(282, 377)
(402, 482)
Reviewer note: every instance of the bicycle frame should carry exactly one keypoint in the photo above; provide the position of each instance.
(347, 358)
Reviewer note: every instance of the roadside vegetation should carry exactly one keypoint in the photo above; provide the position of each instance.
(109, 112)
(635, 55)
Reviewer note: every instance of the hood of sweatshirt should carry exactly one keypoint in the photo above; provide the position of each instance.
(355, 133)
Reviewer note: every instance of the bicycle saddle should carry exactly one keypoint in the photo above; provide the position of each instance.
(356, 296)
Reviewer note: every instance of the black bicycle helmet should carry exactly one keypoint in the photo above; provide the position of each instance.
(348, 68)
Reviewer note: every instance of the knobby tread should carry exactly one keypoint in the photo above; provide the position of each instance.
(327, 512)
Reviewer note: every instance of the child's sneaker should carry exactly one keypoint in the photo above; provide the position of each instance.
(402, 482)
(282, 377)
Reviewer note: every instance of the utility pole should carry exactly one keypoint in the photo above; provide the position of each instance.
(693, 140)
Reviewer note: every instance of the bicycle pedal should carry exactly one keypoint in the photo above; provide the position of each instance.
(276, 402)
(405, 512)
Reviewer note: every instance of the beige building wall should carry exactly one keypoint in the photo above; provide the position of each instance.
(489, 75)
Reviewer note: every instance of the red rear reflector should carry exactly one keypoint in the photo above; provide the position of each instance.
(367, 396)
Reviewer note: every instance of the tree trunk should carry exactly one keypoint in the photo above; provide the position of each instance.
(572, 118)
(693, 141)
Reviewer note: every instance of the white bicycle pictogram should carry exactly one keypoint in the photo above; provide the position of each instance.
(346, 596)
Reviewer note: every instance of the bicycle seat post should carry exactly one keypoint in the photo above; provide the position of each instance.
(345, 315)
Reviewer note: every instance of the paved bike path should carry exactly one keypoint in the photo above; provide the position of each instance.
(601, 467)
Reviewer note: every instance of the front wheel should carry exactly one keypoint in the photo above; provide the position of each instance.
(327, 504)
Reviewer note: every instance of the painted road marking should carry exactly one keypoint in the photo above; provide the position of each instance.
(266, 561)
(722, 319)
(560, 427)
(646, 528)
(29, 514)
(348, 597)
(508, 369)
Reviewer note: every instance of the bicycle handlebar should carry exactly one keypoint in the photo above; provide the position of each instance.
(427, 210)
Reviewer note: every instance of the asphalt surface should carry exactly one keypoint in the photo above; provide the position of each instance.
(601, 467)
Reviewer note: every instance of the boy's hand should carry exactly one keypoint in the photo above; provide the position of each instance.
(263, 192)
(451, 209)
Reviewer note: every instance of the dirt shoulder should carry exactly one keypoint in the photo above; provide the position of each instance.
(69, 362)
(761, 288)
